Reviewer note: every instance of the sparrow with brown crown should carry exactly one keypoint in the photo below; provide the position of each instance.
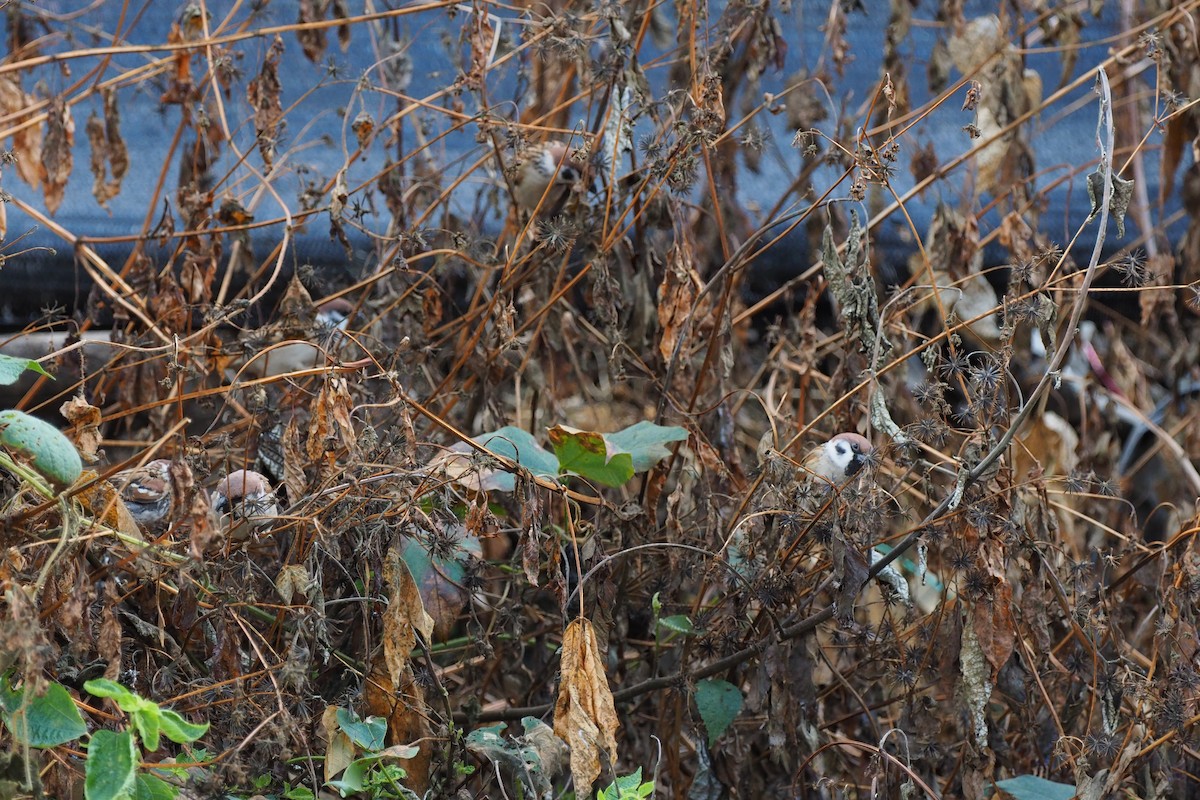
(838, 459)
(245, 503)
(146, 492)
(545, 177)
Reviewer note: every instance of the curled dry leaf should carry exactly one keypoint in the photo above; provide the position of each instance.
(403, 705)
(57, 157)
(675, 296)
(85, 427)
(584, 715)
(26, 141)
(404, 617)
(110, 157)
(104, 504)
(994, 629)
(263, 96)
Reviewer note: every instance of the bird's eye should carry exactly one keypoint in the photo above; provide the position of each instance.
(854, 446)
(567, 174)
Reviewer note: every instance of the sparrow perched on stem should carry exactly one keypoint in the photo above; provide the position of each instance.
(245, 502)
(839, 458)
(146, 492)
(292, 355)
(545, 177)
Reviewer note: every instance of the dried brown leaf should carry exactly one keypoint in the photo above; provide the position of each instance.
(584, 714)
(994, 629)
(403, 705)
(404, 617)
(84, 419)
(263, 94)
(57, 156)
(339, 749)
(27, 141)
(110, 157)
(676, 294)
(310, 36)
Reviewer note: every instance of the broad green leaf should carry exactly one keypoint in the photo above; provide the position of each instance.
(520, 446)
(440, 578)
(587, 454)
(42, 445)
(462, 464)
(1031, 787)
(111, 766)
(12, 368)
(178, 729)
(46, 721)
(354, 778)
(719, 703)
(367, 734)
(152, 787)
(646, 442)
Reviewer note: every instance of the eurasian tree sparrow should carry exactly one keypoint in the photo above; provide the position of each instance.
(297, 354)
(839, 458)
(146, 492)
(245, 502)
(545, 177)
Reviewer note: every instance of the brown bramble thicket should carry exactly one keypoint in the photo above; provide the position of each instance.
(1009, 589)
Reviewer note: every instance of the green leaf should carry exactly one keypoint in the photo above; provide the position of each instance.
(103, 687)
(354, 778)
(678, 623)
(508, 442)
(719, 703)
(1031, 787)
(588, 454)
(46, 721)
(178, 729)
(12, 368)
(111, 766)
(623, 786)
(152, 787)
(367, 734)
(646, 442)
(47, 451)
(148, 725)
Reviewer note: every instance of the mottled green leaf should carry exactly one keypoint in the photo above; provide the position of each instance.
(588, 454)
